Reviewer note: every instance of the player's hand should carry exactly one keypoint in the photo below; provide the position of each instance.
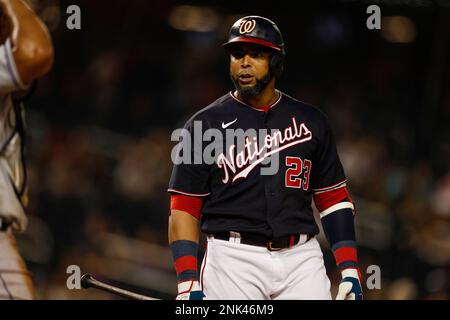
(189, 290)
(350, 287)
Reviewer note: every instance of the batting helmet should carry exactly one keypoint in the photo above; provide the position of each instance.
(261, 31)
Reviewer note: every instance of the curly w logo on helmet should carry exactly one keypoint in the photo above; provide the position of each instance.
(247, 26)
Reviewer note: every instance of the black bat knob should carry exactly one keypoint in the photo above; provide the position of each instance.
(86, 280)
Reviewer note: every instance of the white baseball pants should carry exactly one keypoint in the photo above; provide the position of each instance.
(234, 271)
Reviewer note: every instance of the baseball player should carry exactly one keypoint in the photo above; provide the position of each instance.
(260, 227)
(26, 53)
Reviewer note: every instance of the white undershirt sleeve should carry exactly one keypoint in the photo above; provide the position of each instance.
(9, 77)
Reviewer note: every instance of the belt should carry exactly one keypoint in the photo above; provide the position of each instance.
(262, 241)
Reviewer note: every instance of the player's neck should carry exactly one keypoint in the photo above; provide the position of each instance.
(266, 98)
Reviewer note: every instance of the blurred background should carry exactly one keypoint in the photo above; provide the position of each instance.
(100, 125)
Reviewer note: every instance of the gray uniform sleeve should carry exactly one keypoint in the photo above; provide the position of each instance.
(9, 77)
(11, 166)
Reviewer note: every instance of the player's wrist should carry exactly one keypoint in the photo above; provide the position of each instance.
(189, 286)
(351, 273)
(185, 259)
(190, 290)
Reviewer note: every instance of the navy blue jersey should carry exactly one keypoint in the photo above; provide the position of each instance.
(237, 195)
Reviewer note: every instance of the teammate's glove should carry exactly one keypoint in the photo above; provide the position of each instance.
(190, 290)
(350, 287)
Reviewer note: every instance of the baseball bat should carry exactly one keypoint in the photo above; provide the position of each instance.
(88, 281)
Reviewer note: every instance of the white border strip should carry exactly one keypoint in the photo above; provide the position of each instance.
(337, 206)
(334, 186)
(189, 194)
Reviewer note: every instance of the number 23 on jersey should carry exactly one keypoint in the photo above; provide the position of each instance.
(295, 167)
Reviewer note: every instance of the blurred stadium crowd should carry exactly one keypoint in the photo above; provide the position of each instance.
(100, 126)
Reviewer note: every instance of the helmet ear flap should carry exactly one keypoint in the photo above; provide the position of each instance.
(277, 64)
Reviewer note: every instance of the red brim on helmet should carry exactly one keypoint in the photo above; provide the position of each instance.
(251, 40)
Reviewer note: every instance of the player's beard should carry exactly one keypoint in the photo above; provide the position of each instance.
(250, 92)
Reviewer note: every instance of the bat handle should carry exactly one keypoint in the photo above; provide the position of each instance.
(88, 281)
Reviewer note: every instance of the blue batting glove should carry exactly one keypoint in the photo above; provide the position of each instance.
(350, 287)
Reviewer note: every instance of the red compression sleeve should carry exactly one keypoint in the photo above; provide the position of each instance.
(189, 204)
(327, 199)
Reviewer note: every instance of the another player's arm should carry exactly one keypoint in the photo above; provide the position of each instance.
(184, 233)
(31, 44)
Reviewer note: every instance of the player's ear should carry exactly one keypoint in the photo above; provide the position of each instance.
(276, 64)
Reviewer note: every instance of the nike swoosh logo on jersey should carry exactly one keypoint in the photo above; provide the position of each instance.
(226, 125)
